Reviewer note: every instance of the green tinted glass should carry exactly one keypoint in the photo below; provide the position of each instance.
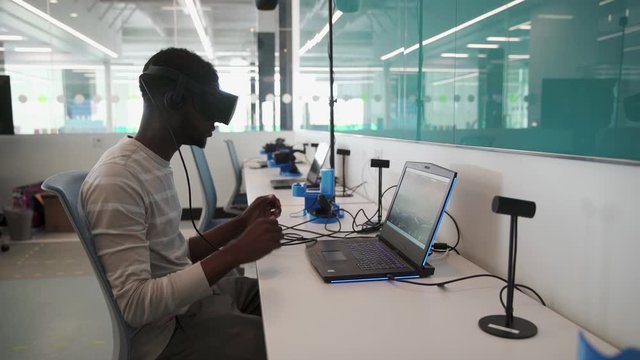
(558, 76)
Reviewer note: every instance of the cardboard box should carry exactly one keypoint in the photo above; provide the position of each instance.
(55, 218)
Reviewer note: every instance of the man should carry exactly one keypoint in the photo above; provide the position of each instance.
(175, 292)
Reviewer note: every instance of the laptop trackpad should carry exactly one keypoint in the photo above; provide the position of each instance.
(333, 255)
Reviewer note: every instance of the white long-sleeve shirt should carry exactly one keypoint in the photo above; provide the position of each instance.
(134, 213)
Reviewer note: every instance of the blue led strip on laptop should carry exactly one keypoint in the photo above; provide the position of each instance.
(374, 279)
(424, 262)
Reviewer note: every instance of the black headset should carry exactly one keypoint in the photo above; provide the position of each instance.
(217, 106)
(173, 99)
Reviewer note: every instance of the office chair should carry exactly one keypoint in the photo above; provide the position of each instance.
(209, 196)
(67, 186)
(238, 201)
(207, 220)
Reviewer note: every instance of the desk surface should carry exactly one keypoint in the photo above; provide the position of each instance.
(304, 318)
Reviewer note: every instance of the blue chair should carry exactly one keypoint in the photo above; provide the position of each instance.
(587, 352)
(209, 196)
(67, 186)
(238, 201)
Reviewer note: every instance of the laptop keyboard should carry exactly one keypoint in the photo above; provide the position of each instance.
(371, 255)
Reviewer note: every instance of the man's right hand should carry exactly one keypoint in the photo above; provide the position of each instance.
(260, 238)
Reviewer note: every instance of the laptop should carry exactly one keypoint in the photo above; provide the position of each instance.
(401, 248)
(313, 174)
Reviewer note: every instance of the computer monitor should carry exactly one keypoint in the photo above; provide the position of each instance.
(6, 112)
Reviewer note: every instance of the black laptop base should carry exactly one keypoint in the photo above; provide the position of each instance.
(329, 260)
(427, 271)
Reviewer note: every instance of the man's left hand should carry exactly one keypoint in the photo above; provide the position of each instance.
(263, 206)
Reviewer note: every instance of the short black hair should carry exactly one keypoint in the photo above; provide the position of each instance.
(184, 61)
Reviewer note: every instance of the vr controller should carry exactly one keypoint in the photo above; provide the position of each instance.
(279, 144)
(319, 204)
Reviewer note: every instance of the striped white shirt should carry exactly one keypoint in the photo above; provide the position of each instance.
(134, 213)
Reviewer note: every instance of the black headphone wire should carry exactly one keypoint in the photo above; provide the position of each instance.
(193, 223)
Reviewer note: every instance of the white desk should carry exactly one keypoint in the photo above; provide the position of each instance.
(304, 318)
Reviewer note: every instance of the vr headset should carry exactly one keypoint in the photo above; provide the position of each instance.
(213, 103)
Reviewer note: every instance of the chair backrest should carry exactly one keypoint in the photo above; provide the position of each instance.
(67, 186)
(209, 197)
(235, 163)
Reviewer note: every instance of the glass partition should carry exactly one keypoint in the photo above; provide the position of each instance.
(555, 76)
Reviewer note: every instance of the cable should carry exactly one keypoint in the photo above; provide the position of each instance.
(389, 188)
(518, 286)
(443, 283)
(449, 247)
(353, 189)
(296, 239)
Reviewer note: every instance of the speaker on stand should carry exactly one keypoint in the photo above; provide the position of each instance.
(266, 4)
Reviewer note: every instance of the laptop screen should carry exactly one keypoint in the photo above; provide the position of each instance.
(318, 161)
(417, 209)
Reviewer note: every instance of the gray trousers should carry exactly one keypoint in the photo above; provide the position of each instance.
(225, 326)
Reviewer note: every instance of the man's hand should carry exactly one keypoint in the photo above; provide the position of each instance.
(262, 207)
(260, 238)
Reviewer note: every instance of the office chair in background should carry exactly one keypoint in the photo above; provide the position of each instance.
(208, 218)
(67, 186)
(209, 197)
(238, 201)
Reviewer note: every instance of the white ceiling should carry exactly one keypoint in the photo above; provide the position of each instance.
(137, 29)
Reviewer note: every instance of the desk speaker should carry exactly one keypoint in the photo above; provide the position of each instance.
(266, 4)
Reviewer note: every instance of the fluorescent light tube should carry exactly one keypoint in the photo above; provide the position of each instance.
(319, 36)
(503, 38)
(454, 55)
(33, 49)
(483, 46)
(65, 27)
(199, 25)
(519, 56)
(392, 54)
(11, 38)
(524, 26)
(454, 79)
(464, 25)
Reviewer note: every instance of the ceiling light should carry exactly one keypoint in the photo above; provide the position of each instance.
(53, 1)
(555, 17)
(33, 49)
(605, 2)
(519, 56)
(483, 46)
(66, 28)
(503, 38)
(1, 49)
(454, 79)
(319, 36)
(524, 26)
(392, 54)
(74, 15)
(454, 55)
(11, 38)
(628, 30)
(199, 25)
(632, 48)
(464, 25)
